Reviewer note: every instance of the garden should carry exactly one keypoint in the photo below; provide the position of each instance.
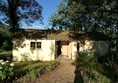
(26, 71)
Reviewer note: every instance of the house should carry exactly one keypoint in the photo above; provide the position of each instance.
(47, 45)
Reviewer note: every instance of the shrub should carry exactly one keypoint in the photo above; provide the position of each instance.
(6, 70)
(51, 66)
(6, 45)
(33, 73)
(88, 64)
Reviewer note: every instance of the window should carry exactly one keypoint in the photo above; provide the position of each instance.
(38, 44)
(35, 45)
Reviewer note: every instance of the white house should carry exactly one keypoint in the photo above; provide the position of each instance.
(47, 45)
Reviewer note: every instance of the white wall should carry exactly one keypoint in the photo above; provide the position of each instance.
(98, 47)
(69, 50)
(73, 50)
(47, 51)
(43, 54)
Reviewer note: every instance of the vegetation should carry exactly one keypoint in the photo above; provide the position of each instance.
(90, 15)
(28, 69)
(32, 69)
(6, 55)
(15, 13)
(102, 69)
(6, 70)
(96, 17)
(5, 39)
(80, 15)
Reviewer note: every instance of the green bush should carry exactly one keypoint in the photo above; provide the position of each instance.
(88, 64)
(51, 66)
(6, 45)
(33, 73)
(6, 70)
(111, 56)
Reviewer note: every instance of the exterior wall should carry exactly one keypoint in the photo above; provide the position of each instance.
(22, 50)
(97, 47)
(64, 50)
(70, 50)
(46, 53)
(64, 47)
(74, 50)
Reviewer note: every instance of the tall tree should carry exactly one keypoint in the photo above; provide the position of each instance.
(87, 15)
(82, 14)
(14, 13)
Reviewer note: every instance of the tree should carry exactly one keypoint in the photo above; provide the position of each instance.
(75, 14)
(87, 15)
(15, 12)
(5, 38)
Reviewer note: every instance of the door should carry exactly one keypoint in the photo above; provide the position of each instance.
(64, 49)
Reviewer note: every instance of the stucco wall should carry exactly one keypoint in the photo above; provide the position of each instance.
(22, 50)
(46, 53)
(97, 47)
(72, 50)
(69, 50)
(64, 50)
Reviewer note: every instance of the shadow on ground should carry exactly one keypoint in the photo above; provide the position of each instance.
(78, 75)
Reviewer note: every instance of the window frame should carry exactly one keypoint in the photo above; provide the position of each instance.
(35, 45)
(38, 45)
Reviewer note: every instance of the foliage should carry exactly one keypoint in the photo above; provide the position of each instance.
(90, 15)
(28, 69)
(88, 65)
(14, 13)
(51, 66)
(32, 69)
(110, 61)
(33, 73)
(5, 43)
(110, 57)
(6, 55)
(6, 70)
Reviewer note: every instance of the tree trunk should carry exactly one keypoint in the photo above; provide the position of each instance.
(13, 17)
(117, 40)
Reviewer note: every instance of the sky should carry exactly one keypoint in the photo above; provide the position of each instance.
(49, 7)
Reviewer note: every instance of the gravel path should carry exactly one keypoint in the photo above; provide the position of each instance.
(63, 73)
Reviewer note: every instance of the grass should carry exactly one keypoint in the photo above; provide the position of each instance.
(6, 55)
(31, 69)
